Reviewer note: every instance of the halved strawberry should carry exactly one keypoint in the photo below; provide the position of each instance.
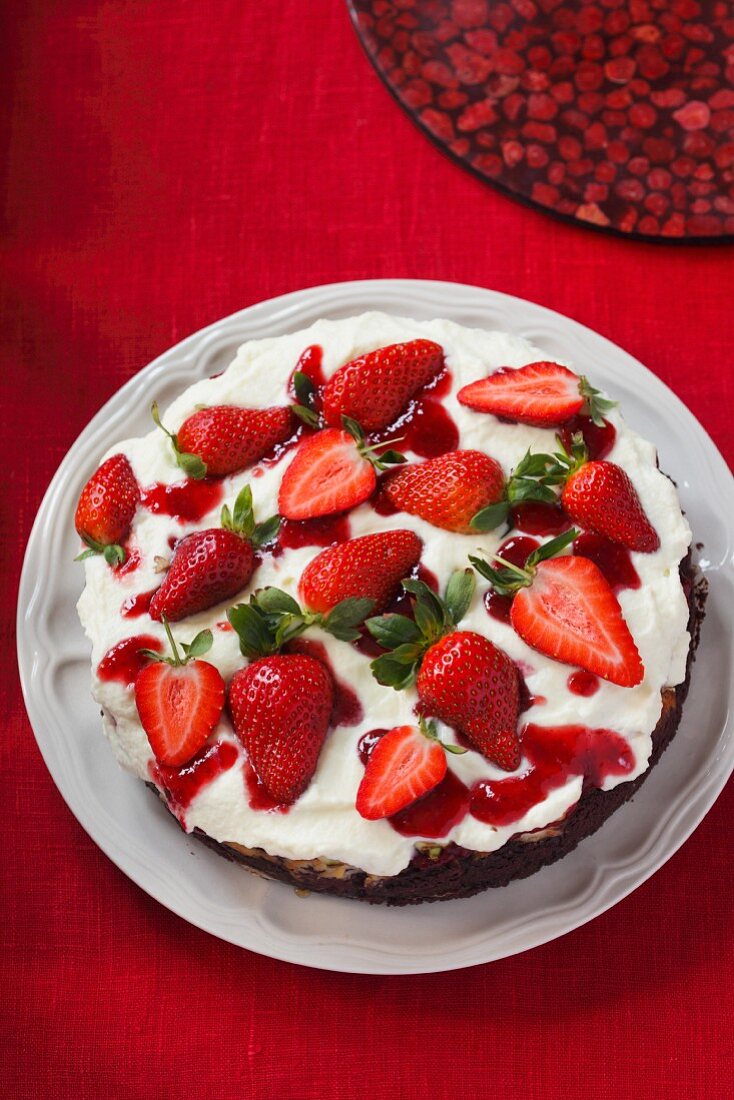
(375, 388)
(211, 565)
(405, 764)
(179, 700)
(281, 706)
(543, 394)
(565, 608)
(600, 497)
(106, 508)
(331, 471)
(371, 566)
(448, 491)
(570, 613)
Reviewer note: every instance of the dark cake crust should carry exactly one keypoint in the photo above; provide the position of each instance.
(459, 873)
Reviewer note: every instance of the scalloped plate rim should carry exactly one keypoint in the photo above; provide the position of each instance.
(614, 881)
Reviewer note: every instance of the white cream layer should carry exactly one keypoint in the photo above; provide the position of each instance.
(324, 822)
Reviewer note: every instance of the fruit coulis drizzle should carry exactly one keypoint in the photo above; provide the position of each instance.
(124, 661)
(425, 428)
(324, 531)
(132, 607)
(187, 501)
(554, 754)
(612, 559)
(182, 785)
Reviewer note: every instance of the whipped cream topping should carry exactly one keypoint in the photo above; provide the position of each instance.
(324, 823)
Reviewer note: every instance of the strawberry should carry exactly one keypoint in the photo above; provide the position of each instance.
(448, 491)
(179, 700)
(597, 495)
(472, 685)
(224, 439)
(281, 706)
(542, 394)
(461, 677)
(371, 566)
(375, 388)
(565, 608)
(331, 471)
(106, 508)
(211, 565)
(600, 497)
(405, 764)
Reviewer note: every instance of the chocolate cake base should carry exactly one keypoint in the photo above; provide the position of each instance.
(439, 873)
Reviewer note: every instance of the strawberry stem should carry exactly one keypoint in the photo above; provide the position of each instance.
(172, 642)
(191, 464)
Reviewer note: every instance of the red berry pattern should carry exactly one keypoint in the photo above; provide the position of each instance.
(616, 113)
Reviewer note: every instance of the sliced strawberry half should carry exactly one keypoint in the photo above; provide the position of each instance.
(570, 613)
(179, 700)
(405, 764)
(331, 471)
(543, 394)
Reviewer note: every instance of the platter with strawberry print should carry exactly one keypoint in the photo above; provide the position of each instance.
(615, 114)
(323, 931)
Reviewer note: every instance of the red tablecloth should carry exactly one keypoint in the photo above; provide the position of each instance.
(167, 164)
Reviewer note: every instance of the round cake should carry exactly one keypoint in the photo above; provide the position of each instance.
(390, 609)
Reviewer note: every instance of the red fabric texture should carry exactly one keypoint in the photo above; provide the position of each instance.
(167, 164)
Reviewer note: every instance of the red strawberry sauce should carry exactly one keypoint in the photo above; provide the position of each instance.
(613, 560)
(516, 550)
(582, 682)
(184, 783)
(599, 440)
(437, 812)
(538, 518)
(367, 743)
(187, 501)
(324, 531)
(257, 796)
(123, 662)
(555, 754)
(425, 428)
(136, 605)
(310, 363)
(130, 564)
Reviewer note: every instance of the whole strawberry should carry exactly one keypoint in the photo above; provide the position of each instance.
(225, 439)
(371, 566)
(179, 699)
(281, 708)
(600, 497)
(472, 685)
(106, 508)
(450, 490)
(375, 388)
(212, 565)
(461, 677)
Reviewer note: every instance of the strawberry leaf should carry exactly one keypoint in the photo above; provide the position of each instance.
(459, 593)
(273, 601)
(199, 645)
(251, 627)
(264, 533)
(114, 555)
(595, 404)
(551, 548)
(390, 458)
(397, 669)
(342, 621)
(304, 389)
(390, 631)
(492, 516)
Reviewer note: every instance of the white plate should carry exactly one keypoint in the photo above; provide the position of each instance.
(128, 824)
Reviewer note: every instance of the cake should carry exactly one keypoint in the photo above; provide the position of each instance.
(393, 610)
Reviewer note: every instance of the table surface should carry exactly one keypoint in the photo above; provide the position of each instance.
(166, 165)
